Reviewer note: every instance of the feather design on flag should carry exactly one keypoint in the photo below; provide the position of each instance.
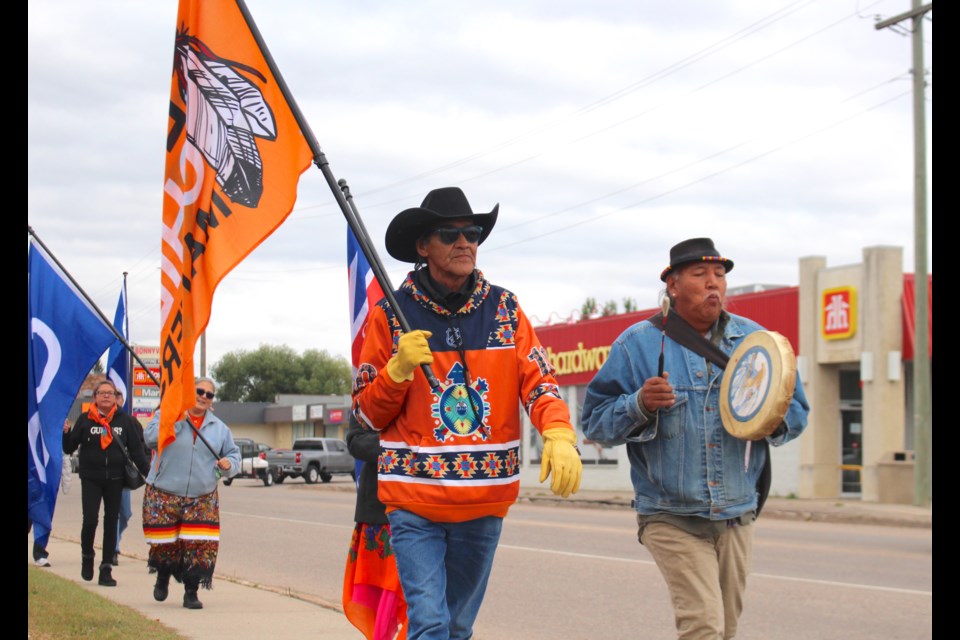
(234, 155)
(226, 112)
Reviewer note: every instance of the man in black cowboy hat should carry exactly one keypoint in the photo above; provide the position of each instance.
(695, 484)
(449, 456)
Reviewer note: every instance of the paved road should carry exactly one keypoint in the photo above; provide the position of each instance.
(579, 573)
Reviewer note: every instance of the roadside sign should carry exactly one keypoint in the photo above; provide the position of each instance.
(142, 378)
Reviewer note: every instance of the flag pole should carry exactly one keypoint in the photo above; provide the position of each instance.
(384, 281)
(92, 304)
(110, 324)
(128, 382)
(347, 207)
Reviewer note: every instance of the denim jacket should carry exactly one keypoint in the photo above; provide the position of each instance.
(682, 460)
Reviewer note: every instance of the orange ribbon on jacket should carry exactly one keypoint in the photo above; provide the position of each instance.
(104, 421)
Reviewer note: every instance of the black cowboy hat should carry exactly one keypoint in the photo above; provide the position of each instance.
(694, 250)
(440, 205)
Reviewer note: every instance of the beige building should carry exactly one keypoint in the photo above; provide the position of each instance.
(279, 423)
(852, 345)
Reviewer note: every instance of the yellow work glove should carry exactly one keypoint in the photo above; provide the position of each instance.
(562, 458)
(412, 351)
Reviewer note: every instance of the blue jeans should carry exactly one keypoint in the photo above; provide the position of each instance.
(124, 516)
(444, 568)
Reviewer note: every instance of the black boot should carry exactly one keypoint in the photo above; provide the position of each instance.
(115, 560)
(190, 600)
(106, 575)
(161, 588)
(86, 567)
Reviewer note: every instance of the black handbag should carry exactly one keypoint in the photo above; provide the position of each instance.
(132, 478)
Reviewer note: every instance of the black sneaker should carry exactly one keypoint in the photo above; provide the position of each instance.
(115, 560)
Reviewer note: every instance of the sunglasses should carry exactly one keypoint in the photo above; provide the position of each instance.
(208, 394)
(449, 235)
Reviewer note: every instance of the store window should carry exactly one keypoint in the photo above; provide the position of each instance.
(591, 453)
(302, 430)
(851, 418)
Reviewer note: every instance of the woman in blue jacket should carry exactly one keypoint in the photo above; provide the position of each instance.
(181, 507)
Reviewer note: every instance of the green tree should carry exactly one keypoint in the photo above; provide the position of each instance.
(258, 376)
(630, 305)
(589, 309)
(325, 372)
(609, 309)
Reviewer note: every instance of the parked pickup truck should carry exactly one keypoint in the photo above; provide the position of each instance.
(253, 462)
(313, 459)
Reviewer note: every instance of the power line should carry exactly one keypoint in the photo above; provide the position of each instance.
(658, 75)
(558, 229)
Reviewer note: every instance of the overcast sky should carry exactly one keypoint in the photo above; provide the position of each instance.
(607, 131)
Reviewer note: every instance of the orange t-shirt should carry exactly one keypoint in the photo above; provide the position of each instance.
(197, 422)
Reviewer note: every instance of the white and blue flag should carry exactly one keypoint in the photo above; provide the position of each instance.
(118, 360)
(65, 338)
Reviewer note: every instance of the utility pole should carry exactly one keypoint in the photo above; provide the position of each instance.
(922, 395)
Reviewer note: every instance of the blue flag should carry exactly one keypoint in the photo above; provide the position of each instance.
(118, 359)
(65, 339)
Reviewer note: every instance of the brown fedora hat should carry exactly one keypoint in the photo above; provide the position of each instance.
(440, 205)
(694, 250)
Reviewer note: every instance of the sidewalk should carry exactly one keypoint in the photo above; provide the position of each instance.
(242, 609)
(239, 610)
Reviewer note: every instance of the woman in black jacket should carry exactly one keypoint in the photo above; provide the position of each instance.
(99, 434)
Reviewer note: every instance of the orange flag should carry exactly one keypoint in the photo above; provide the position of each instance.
(235, 154)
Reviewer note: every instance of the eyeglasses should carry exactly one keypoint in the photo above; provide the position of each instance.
(105, 393)
(449, 235)
(209, 394)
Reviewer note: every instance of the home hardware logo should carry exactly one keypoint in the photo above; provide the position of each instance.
(838, 313)
(578, 360)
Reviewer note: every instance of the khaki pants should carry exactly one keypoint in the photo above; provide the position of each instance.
(706, 577)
